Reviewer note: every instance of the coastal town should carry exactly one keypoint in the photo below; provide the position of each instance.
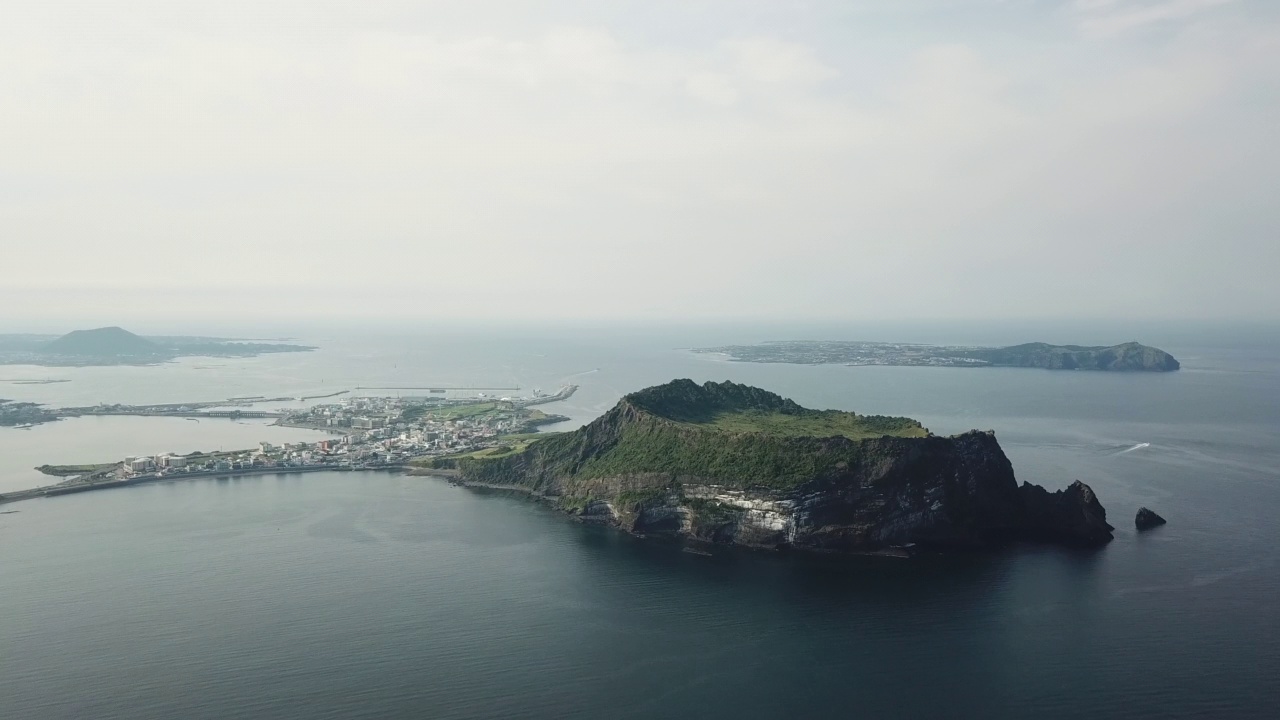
(368, 433)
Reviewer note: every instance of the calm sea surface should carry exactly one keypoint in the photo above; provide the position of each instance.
(378, 595)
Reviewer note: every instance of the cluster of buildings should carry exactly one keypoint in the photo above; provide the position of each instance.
(143, 463)
(360, 413)
(449, 424)
(377, 432)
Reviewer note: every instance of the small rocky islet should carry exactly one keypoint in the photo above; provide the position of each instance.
(732, 464)
(1147, 519)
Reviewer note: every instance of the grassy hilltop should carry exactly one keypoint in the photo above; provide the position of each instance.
(733, 434)
(731, 408)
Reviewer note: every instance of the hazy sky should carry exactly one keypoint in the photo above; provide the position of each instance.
(695, 159)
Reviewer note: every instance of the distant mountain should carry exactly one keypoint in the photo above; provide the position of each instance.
(1128, 356)
(103, 342)
(117, 346)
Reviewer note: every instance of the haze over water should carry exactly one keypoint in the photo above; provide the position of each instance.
(379, 595)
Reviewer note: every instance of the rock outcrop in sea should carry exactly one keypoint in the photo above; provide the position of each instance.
(732, 464)
(1147, 519)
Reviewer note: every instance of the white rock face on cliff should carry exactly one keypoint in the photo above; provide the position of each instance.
(761, 514)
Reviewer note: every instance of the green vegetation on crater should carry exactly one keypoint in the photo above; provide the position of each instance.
(816, 423)
(734, 408)
(732, 434)
(747, 459)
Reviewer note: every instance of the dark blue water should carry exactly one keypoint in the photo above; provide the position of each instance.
(375, 595)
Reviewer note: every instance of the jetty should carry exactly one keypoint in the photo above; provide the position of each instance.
(80, 486)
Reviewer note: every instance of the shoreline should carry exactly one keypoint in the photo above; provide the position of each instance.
(382, 449)
(72, 489)
(38, 414)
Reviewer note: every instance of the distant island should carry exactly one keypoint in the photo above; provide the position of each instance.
(733, 464)
(1130, 356)
(117, 346)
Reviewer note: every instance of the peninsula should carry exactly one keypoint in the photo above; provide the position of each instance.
(117, 346)
(373, 433)
(1130, 356)
(733, 464)
(318, 417)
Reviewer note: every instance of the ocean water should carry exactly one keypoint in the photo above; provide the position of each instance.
(381, 595)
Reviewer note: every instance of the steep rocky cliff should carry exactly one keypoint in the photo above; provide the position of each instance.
(729, 463)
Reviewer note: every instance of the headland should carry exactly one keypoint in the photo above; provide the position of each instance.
(732, 464)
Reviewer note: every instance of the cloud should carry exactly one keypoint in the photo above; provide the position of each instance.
(769, 60)
(1107, 18)
(430, 159)
(711, 87)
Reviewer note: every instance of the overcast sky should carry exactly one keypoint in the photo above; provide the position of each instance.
(639, 160)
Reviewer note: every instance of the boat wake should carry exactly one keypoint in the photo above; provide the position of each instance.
(1139, 446)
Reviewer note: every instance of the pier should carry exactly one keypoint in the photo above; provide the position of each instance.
(79, 486)
(232, 414)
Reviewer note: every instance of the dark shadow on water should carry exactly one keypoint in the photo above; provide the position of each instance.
(809, 574)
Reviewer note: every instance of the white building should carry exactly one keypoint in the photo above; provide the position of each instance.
(173, 461)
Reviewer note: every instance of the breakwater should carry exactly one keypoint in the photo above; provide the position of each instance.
(563, 393)
(79, 487)
(321, 397)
